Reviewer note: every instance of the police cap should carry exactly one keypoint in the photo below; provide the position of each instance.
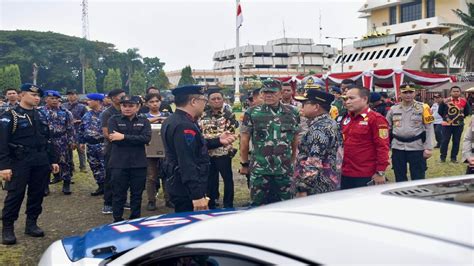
(130, 99)
(188, 90)
(95, 96)
(69, 92)
(406, 87)
(31, 88)
(375, 96)
(317, 96)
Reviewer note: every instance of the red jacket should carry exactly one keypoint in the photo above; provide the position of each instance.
(366, 144)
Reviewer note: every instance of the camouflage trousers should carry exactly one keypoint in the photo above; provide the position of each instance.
(95, 158)
(266, 189)
(62, 147)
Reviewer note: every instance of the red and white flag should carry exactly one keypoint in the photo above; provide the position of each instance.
(240, 18)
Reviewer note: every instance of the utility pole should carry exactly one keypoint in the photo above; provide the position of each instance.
(85, 36)
(342, 48)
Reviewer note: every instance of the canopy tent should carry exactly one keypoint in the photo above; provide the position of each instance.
(384, 78)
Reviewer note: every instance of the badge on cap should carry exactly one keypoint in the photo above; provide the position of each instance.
(34, 89)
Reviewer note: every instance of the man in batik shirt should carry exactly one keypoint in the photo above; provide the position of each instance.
(319, 161)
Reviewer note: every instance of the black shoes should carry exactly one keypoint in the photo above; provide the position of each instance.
(55, 180)
(169, 204)
(67, 188)
(46, 191)
(8, 234)
(99, 191)
(32, 229)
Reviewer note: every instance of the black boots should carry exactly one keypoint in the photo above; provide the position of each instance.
(8, 234)
(32, 228)
(99, 191)
(67, 187)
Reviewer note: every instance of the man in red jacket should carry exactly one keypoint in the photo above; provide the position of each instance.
(366, 142)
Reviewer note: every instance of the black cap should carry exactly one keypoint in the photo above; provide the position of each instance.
(130, 99)
(317, 96)
(69, 92)
(31, 88)
(114, 92)
(188, 90)
(212, 90)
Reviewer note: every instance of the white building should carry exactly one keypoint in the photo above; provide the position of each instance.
(399, 34)
(278, 58)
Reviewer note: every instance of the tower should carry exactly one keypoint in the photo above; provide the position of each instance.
(85, 36)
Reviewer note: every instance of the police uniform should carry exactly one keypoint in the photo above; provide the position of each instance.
(272, 131)
(319, 159)
(61, 126)
(128, 160)
(25, 149)
(187, 159)
(90, 133)
(78, 110)
(412, 133)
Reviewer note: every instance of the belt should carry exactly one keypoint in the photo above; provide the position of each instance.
(421, 136)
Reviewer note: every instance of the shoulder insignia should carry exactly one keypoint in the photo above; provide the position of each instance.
(383, 133)
(189, 135)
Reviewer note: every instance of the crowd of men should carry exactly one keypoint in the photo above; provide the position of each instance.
(291, 144)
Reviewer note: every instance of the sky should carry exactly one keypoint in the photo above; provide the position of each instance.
(188, 32)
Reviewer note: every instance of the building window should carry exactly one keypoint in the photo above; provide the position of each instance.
(393, 15)
(430, 8)
(410, 11)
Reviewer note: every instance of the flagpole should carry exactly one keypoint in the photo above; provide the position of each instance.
(237, 59)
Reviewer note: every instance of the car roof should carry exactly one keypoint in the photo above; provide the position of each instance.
(365, 224)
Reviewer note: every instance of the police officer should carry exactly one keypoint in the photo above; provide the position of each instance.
(90, 133)
(128, 134)
(26, 159)
(319, 159)
(273, 128)
(187, 159)
(411, 124)
(61, 126)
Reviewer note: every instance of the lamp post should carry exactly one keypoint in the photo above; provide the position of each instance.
(342, 48)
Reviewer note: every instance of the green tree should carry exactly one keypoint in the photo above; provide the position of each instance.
(112, 80)
(431, 59)
(186, 77)
(133, 62)
(463, 44)
(91, 81)
(11, 77)
(138, 83)
(153, 67)
(2, 80)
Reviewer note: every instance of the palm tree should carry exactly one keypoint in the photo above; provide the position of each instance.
(133, 59)
(432, 58)
(463, 44)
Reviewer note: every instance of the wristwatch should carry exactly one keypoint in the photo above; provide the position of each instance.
(380, 173)
(246, 164)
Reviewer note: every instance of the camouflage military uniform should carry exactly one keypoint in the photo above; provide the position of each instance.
(61, 126)
(319, 159)
(272, 132)
(90, 133)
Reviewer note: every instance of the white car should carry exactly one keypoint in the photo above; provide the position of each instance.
(423, 222)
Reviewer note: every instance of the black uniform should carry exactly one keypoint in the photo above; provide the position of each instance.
(128, 162)
(26, 150)
(186, 161)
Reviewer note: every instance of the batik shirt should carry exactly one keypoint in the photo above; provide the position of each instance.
(319, 161)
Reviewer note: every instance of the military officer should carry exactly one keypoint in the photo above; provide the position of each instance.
(78, 110)
(411, 124)
(273, 128)
(319, 159)
(61, 126)
(187, 159)
(26, 160)
(90, 134)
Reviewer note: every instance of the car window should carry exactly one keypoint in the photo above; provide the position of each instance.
(213, 254)
(202, 260)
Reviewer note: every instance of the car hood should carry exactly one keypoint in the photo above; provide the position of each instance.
(108, 240)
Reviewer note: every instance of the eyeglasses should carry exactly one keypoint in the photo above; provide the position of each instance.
(204, 99)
